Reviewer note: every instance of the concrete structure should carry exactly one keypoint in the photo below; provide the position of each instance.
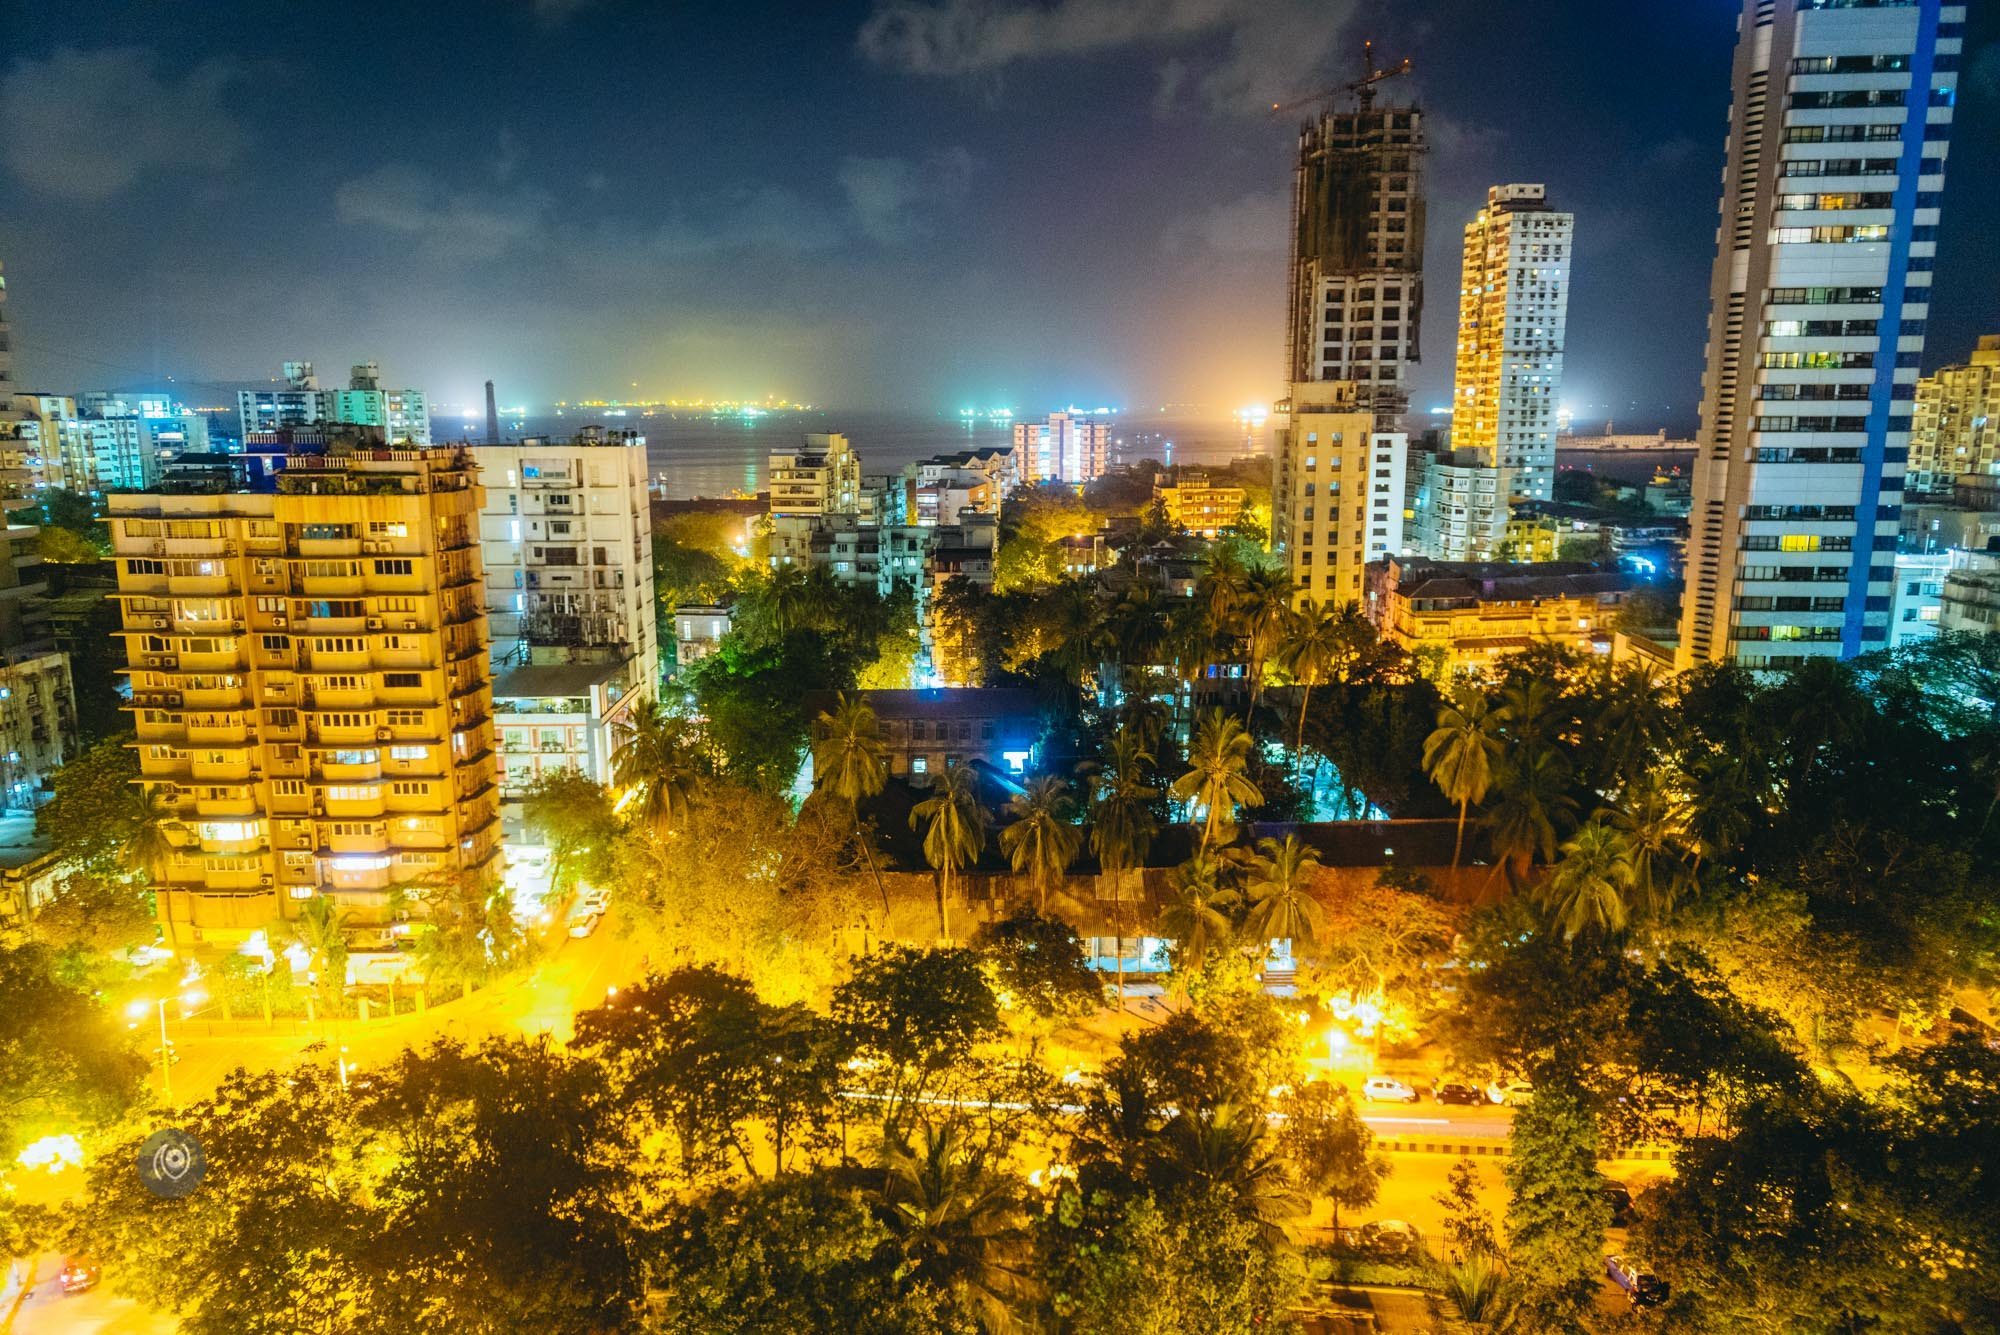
(1198, 505)
(1462, 507)
(698, 631)
(938, 489)
(567, 543)
(1070, 446)
(1513, 311)
(37, 726)
(310, 686)
(927, 732)
(1468, 615)
(23, 586)
(1917, 605)
(1969, 602)
(1821, 287)
(8, 418)
(822, 477)
(1357, 254)
(1336, 491)
(1955, 428)
(398, 416)
(31, 443)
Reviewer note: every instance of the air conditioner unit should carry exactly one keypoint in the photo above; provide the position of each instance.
(279, 622)
(374, 623)
(409, 623)
(265, 880)
(159, 623)
(382, 734)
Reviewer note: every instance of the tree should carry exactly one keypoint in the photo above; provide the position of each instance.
(1459, 755)
(1122, 825)
(1264, 614)
(1587, 890)
(1652, 816)
(1042, 839)
(962, 1225)
(63, 1058)
(1556, 1211)
(954, 829)
(1331, 1149)
(1468, 1227)
(1196, 918)
(658, 763)
(468, 933)
(573, 816)
(1229, 1150)
(1532, 809)
(1320, 641)
(851, 764)
(1039, 962)
(321, 929)
(61, 546)
(93, 816)
(1216, 782)
(913, 1015)
(1281, 903)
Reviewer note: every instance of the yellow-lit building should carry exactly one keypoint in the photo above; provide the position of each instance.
(310, 686)
(1465, 616)
(1955, 427)
(1194, 503)
(1336, 491)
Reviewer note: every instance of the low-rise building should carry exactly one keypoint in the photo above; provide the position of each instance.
(554, 716)
(698, 631)
(1467, 615)
(37, 726)
(926, 732)
(1969, 602)
(1198, 505)
(1462, 507)
(1916, 604)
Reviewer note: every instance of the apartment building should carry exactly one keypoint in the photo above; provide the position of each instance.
(821, 477)
(310, 684)
(1336, 491)
(1069, 447)
(1198, 505)
(1464, 617)
(1956, 425)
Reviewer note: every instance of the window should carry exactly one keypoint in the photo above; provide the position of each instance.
(344, 792)
(409, 752)
(384, 529)
(920, 765)
(397, 566)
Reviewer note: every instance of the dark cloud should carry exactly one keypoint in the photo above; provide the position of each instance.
(892, 200)
(88, 125)
(451, 226)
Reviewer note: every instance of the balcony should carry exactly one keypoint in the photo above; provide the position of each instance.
(231, 766)
(238, 802)
(354, 808)
(328, 770)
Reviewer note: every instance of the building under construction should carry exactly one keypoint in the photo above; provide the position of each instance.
(1357, 246)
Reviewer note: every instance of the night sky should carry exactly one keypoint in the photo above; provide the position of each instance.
(908, 204)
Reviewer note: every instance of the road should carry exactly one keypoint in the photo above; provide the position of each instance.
(47, 1310)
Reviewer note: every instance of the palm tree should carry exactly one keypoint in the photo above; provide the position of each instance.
(1264, 612)
(1588, 888)
(1281, 906)
(1230, 1148)
(659, 761)
(152, 852)
(321, 929)
(851, 765)
(1196, 918)
(954, 826)
(1218, 779)
(1459, 755)
(1314, 639)
(1122, 825)
(960, 1225)
(1533, 808)
(1042, 839)
(1135, 629)
(1653, 816)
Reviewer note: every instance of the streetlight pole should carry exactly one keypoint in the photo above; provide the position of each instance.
(166, 1059)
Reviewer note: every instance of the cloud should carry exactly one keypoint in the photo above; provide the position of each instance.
(87, 125)
(1252, 225)
(1270, 49)
(892, 199)
(766, 219)
(451, 226)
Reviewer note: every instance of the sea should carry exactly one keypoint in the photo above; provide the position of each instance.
(701, 454)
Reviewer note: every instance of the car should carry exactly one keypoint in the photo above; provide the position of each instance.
(1509, 1092)
(1446, 1090)
(1390, 1239)
(1619, 1197)
(1641, 1286)
(591, 903)
(79, 1274)
(584, 926)
(1387, 1089)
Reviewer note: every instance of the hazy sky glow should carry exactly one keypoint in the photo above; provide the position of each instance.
(907, 203)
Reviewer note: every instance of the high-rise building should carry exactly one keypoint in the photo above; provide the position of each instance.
(1956, 426)
(397, 416)
(1357, 253)
(1821, 287)
(8, 416)
(568, 551)
(822, 477)
(1069, 446)
(1462, 507)
(1336, 493)
(310, 687)
(1513, 305)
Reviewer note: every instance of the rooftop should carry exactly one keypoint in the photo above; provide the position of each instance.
(953, 702)
(1502, 581)
(541, 681)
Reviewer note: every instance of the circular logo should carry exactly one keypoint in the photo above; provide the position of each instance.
(171, 1163)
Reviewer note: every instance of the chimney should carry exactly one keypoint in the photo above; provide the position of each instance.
(492, 417)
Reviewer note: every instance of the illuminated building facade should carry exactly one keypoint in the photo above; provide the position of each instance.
(823, 477)
(1465, 617)
(1336, 492)
(1821, 288)
(310, 686)
(1194, 503)
(1956, 426)
(398, 416)
(1070, 447)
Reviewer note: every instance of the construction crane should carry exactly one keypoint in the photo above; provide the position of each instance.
(1363, 88)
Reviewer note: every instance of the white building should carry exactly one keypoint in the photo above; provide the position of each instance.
(566, 537)
(1821, 287)
(822, 477)
(1070, 446)
(401, 415)
(1918, 600)
(1513, 311)
(1462, 507)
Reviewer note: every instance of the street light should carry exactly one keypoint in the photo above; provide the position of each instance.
(137, 1011)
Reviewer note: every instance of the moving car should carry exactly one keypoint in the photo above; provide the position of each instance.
(79, 1274)
(1509, 1091)
(1387, 1089)
(1447, 1090)
(584, 926)
(1640, 1285)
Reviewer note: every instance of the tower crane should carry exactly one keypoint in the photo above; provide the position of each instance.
(1362, 88)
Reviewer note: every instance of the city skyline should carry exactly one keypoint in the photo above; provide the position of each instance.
(904, 254)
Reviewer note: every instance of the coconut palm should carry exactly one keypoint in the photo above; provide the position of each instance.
(1532, 811)
(954, 829)
(659, 761)
(1218, 779)
(1281, 905)
(1653, 816)
(1196, 919)
(151, 851)
(961, 1225)
(321, 929)
(1459, 755)
(1043, 838)
(1230, 1149)
(1316, 642)
(1135, 629)
(1264, 614)
(1587, 890)
(850, 765)
(1122, 825)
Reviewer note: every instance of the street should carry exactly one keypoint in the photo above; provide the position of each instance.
(47, 1310)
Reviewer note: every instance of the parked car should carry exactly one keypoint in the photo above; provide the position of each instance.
(1447, 1090)
(79, 1274)
(1509, 1091)
(1387, 1089)
(1390, 1239)
(1643, 1287)
(1619, 1197)
(592, 902)
(584, 926)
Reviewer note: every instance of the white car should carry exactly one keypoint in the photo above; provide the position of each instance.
(584, 926)
(1510, 1091)
(592, 902)
(1387, 1089)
